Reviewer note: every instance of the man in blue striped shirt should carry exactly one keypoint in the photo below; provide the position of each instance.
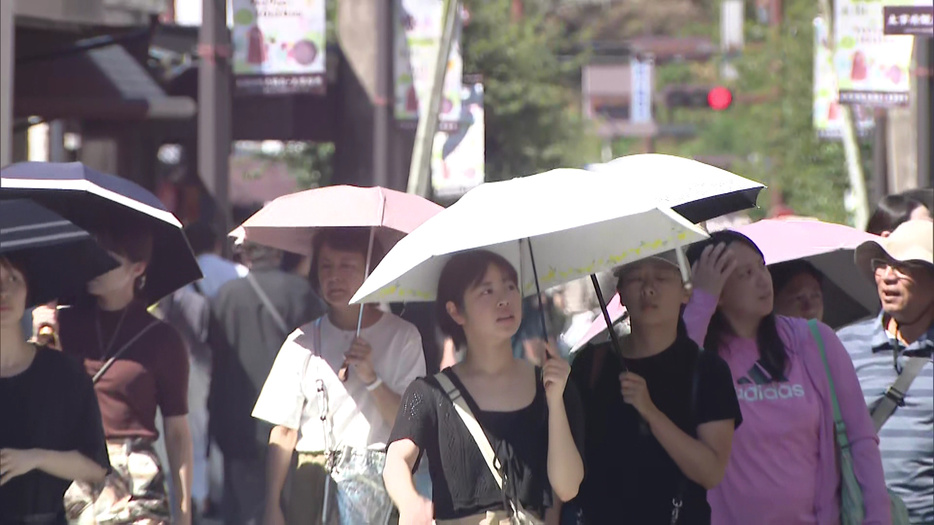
(902, 266)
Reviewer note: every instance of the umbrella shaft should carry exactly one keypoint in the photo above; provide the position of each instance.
(609, 322)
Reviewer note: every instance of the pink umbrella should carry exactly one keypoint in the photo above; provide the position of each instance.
(829, 247)
(290, 222)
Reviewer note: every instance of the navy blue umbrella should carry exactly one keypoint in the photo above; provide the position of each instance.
(57, 257)
(94, 200)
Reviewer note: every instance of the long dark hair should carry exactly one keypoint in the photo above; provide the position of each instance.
(772, 352)
(460, 273)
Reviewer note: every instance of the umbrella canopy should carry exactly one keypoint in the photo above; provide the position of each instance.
(92, 200)
(290, 222)
(695, 190)
(574, 222)
(59, 258)
(829, 247)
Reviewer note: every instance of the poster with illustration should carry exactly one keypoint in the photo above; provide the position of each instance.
(458, 156)
(826, 117)
(872, 68)
(279, 46)
(418, 28)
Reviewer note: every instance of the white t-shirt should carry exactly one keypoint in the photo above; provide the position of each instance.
(289, 397)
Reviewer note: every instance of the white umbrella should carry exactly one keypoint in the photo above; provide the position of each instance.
(693, 189)
(572, 223)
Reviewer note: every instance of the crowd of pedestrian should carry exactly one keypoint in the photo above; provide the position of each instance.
(727, 400)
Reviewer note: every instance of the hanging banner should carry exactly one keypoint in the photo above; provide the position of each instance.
(419, 24)
(872, 68)
(279, 46)
(458, 156)
(826, 116)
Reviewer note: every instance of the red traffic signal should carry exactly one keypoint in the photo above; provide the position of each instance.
(719, 98)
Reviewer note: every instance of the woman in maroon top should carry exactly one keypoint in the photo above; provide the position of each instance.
(148, 369)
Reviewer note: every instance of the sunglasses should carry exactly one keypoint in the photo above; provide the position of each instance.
(903, 270)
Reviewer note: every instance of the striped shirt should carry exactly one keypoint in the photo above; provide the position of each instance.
(907, 438)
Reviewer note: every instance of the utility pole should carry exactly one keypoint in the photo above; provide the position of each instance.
(850, 146)
(381, 98)
(215, 106)
(7, 66)
(420, 169)
(922, 84)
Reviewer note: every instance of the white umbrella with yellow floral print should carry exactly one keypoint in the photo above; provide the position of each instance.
(554, 227)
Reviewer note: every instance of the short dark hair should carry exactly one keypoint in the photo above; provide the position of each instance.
(347, 239)
(202, 237)
(923, 196)
(19, 263)
(783, 273)
(771, 348)
(891, 211)
(461, 273)
(128, 238)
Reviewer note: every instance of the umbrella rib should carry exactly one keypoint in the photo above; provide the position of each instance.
(27, 227)
(45, 238)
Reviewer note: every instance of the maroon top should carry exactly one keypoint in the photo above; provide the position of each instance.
(151, 372)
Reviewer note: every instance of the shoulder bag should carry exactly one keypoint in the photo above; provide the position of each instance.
(852, 506)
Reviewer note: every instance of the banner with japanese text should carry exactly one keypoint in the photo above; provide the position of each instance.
(418, 29)
(279, 46)
(872, 68)
(458, 156)
(826, 117)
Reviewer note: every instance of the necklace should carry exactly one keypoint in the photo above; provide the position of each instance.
(105, 351)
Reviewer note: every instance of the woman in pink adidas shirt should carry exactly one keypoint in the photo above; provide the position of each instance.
(783, 467)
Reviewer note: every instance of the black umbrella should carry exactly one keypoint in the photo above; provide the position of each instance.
(58, 257)
(92, 200)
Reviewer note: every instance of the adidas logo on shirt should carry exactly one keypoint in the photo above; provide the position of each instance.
(757, 385)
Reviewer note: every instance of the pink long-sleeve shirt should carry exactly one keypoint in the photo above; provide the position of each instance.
(783, 466)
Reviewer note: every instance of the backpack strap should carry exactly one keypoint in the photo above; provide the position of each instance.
(894, 395)
(267, 302)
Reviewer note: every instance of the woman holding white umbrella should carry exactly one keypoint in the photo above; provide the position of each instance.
(500, 435)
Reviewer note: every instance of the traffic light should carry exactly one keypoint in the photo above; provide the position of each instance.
(717, 98)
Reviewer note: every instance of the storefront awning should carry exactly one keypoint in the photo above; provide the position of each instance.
(104, 83)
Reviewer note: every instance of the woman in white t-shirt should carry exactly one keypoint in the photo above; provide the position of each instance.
(382, 361)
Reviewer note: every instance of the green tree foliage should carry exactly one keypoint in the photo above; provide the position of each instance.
(768, 131)
(531, 89)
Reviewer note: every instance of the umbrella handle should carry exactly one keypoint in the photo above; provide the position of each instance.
(344, 373)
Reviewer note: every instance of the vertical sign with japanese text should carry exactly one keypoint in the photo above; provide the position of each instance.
(279, 46)
(640, 107)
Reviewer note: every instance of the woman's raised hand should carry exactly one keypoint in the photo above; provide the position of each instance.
(555, 374)
(711, 271)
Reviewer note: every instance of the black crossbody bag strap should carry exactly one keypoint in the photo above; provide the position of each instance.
(678, 500)
(106, 366)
